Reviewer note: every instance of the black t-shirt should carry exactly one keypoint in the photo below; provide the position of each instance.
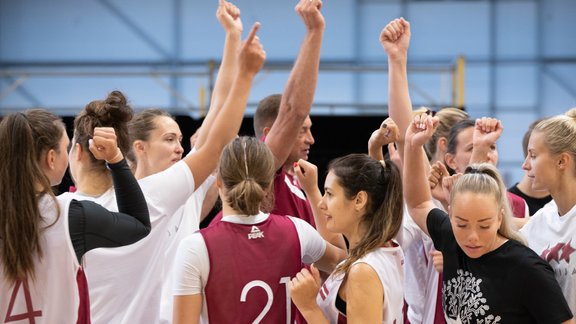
(511, 284)
(534, 204)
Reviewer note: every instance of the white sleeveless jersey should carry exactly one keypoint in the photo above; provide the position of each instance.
(126, 282)
(389, 265)
(53, 296)
(420, 277)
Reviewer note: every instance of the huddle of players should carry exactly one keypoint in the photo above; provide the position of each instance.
(125, 246)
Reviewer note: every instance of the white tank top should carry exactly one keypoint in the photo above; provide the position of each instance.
(388, 262)
(53, 296)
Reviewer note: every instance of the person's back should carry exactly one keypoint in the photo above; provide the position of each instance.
(246, 260)
(55, 272)
(265, 255)
(42, 274)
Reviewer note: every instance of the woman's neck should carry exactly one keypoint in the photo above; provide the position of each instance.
(564, 193)
(94, 183)
(355, 236)
(141, 172)
(525, 185)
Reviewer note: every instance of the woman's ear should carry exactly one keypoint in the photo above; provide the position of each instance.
(49, 159)
(77, 152)
(563, 161)
(360, 201)
(218, 181)
(449, 159)
(138, 147)
(442, 145)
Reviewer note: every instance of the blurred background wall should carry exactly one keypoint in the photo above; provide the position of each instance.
(518, 60)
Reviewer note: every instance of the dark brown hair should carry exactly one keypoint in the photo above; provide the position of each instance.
(141, 126)
(383, 185)
(114, 112)
(24, 139)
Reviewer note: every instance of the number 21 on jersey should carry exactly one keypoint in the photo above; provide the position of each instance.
(261, 284)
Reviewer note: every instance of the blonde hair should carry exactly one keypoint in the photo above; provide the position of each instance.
(484, 179)
(559, 132)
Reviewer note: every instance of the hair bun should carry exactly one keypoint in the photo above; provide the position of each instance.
(571, 113)
(112, 110)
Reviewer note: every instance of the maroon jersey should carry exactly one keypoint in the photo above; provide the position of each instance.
(250, 268)
(517, 204)
(289, 199)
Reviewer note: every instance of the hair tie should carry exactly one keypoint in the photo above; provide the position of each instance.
(383, 163)
(473, 170)
(24, 115)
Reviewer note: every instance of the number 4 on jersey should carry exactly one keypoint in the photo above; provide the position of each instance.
(30, 312)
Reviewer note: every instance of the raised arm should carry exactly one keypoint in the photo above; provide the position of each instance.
(301, 85)
(395, 39)
(229, 17)
(386, 134)
(250, 60)
(486, 133)
(415, 179)
(307, 174)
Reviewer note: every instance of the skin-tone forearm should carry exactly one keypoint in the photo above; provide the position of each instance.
(334, 238)
(314, 315)
(487, 131)
(187, 309)
(400, 104)
(480, 153)
(227, 123)
(395, 39)
(375, 151)
(416, 188)
(229, 18)
(299, 91)
(417, 193)
(307, 174)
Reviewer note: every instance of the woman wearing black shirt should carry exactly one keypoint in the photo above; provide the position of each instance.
(489, 276)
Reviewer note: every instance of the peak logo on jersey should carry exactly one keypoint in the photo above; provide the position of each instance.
(560, 251)
(255, 233)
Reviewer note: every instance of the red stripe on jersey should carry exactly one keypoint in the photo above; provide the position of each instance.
(84, 305)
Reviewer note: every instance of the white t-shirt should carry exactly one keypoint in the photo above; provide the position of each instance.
(192, 263)
(185, 222)
(126, 282)
(553, 238)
